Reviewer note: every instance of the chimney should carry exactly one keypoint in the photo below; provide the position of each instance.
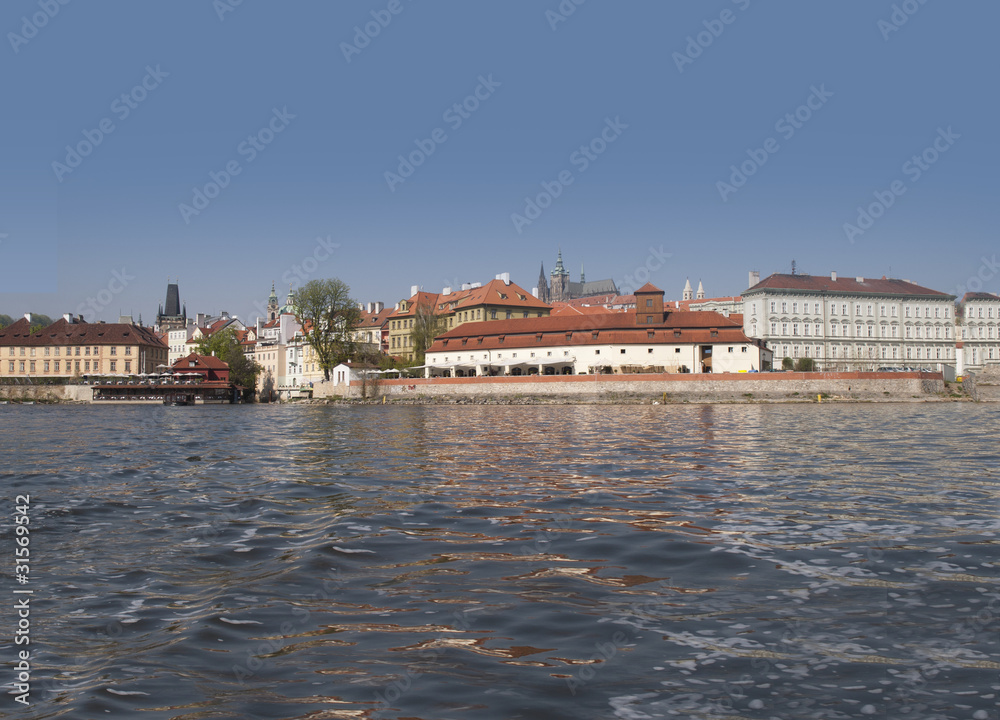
(68, 317)
(859, 279)
(446, 291)
(754, 277)
(833, 276)
(27, 316)
(466, 286)
(505, 277)
(379, 307)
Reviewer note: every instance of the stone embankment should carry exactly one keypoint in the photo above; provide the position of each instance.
(46, 393)
(743, 387)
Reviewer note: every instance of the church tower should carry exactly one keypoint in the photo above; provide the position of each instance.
(543, 285)
(688, 293)
(701, 292)
(272, 304)
(560, 281)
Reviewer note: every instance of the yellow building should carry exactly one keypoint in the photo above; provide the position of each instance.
(499, 299)
(71, 347)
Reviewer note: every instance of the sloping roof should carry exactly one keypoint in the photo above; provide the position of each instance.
(378, 319)
(648, 288)
(979, 296)
(560, 308)
(843, 285)
(201, 361)
(497, 292)
(15, 333)
(421, 298)
(693, 326)
(62, 332)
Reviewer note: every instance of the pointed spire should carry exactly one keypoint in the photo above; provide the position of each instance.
(560, 270)
(701, 291)
(583, 277)
(688, 293)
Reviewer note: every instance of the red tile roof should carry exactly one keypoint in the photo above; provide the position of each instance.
(979, 296)
(843, 285)
(648, 288)
(610, 328)
(62, 332)
(201, 362)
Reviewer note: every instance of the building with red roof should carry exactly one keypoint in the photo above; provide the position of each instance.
(852, 323)
(652, 338)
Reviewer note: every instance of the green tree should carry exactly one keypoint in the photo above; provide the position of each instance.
(426, 327)
(226, 346)
(805, 365)
(787, 364)
(327, 314)
(6, 320)
(39, 322)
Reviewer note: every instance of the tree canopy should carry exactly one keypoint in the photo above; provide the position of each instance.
(226, 346)
(426, 326)
(5, 320)
(327, 314)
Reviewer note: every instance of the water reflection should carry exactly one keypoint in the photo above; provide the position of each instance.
(443, 562)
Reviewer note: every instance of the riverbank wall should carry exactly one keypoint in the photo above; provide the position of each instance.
(742, 387)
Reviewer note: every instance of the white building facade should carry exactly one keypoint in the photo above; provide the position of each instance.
(979, 328)
(852, 324)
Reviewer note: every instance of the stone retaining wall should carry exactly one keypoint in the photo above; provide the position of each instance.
(47, 393)
(707, 387)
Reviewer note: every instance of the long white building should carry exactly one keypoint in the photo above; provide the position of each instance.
(652, 338)
(980, 331)
(854, 324)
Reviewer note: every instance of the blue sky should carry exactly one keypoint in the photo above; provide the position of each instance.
(626, 118)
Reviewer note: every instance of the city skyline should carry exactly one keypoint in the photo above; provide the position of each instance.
(396, 144)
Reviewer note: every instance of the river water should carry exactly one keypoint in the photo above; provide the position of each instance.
(694, 561)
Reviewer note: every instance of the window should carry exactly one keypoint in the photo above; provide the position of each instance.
(784, 307)
(31, 366)
(833, 308)
(744, 348)
(623, 351)
(772, 306)
(649, 319)
(113, 350)
(795, 328)
(816, 308)
(857, 308)
(730, 348)
(20, 364)
(677, 350)
(843, 309)
(795, 307)
(774, 328)
(86, 351)
(597, 352)
(128, 351)
(784, 328)
(11, 367)
(907, 315)
(95, 350)
(649, 302)
(881, 310)
(76, 367)
(937, 312)
(493, 314)
(870, 310)
(649, 351)
(833, 329)
(45, 366)
(128, 365)
(46, 353)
